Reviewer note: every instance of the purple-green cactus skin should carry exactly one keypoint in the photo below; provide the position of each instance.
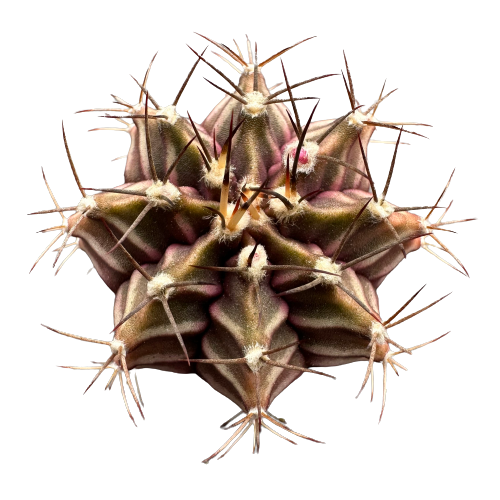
(247, 249)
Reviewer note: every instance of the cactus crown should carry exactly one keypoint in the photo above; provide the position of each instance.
(249, 248)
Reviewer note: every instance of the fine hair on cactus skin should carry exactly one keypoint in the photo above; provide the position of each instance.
(266, 287)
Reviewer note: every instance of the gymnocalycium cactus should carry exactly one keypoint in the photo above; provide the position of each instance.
(249, 248)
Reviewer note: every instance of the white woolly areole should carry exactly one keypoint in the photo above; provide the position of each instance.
(245, 183)
(253, 414)
(255, 104)
(158, 189)
(157, 285)
(170, 112)
(326, 264)
(378, 332)
(114, 365)
(117, 345)
(136, 109)
(281, 212)
(311, 147)
(425, 225)
(253, 355)
(259, 260)
(227, 234)
(215, 177)
(88, 205)
(380, 210)
(356, 119)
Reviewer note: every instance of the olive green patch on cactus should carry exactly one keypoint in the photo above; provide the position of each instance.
(247, 249)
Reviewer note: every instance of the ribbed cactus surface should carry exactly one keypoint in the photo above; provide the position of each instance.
(247, 249)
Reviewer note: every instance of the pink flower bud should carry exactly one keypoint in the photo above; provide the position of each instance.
(303, 156)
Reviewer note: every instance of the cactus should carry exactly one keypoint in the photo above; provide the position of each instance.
(247, 249)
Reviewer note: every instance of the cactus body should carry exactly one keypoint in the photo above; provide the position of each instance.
(247, 249)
